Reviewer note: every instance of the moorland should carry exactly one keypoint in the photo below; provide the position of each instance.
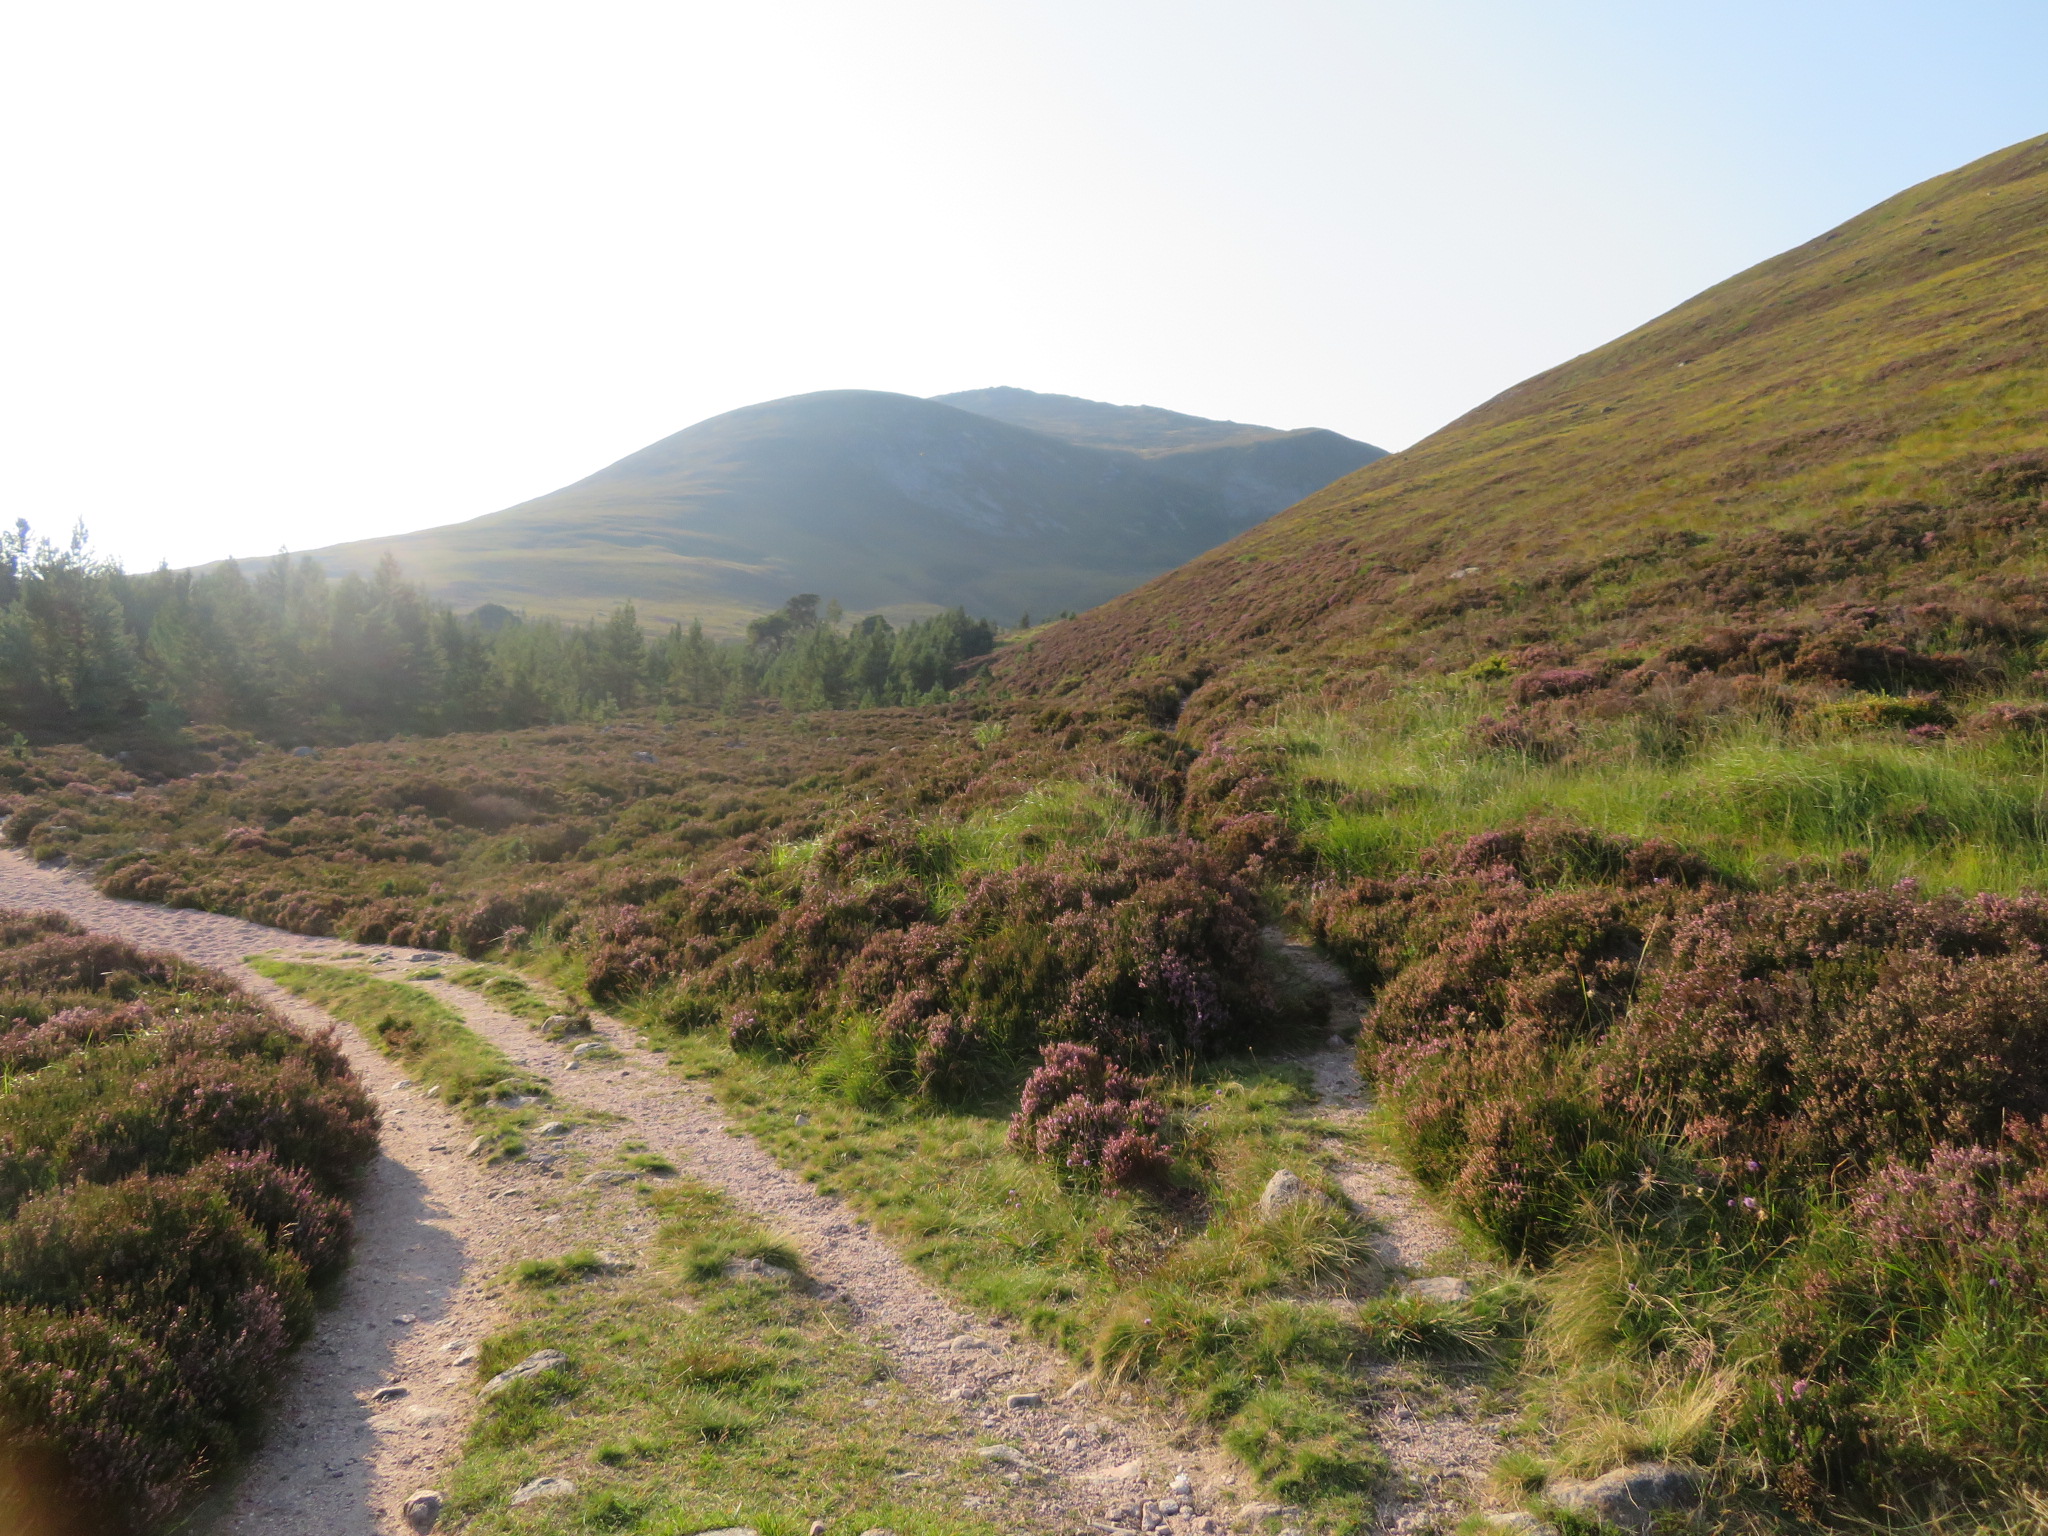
(1659, 750)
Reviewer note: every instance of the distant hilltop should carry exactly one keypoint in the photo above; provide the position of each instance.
(1005, 501)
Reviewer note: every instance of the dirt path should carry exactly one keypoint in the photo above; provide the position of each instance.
(1432, 1425)
(435, 1229)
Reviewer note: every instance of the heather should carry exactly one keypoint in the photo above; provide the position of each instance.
(1721, 1115)
(175, 1173)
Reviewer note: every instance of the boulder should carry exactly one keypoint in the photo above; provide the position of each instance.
(543, 1488)
(1628, 1497)
(422, 1509)
(541, 1362)
(1446, 1290)
(1286, 1189)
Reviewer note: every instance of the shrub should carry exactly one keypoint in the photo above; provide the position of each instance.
(173, 1179)
(1092, 1119)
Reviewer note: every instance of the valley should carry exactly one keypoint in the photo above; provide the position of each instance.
(1509, 995)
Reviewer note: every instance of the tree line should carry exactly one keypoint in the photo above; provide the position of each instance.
(87, 648)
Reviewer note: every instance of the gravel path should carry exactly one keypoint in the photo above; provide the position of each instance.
(435, 1229)
(1433, 1428)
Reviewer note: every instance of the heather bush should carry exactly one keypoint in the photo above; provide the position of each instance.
(1094, 1121)
(174, 1172)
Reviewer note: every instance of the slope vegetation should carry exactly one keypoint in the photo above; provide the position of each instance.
(885, 502)
(1832, 426)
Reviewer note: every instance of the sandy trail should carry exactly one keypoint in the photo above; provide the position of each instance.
(435, 1229)
(1434, 1430)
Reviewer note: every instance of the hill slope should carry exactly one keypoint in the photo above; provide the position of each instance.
(883, 501)
(1256, 470)
(1825, 428)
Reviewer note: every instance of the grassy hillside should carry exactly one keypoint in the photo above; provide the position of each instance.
(1826, 427)
(1663, 752)
(887, 503)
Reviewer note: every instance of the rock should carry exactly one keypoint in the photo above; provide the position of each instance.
(610, 1176)
(1183, 1485)
(758, 1269)
(730, 1530)
(407, 1318)
(1519, 1523)
(481, 1144)
(1446, 1290)
(643, 757)
(541, 1362)
(963, 1342)
(1002, 1456)
(422, 1509)
(1078, 1389)
(1027, 1400)
(388, 1394)
(878, 1530)
(1629, 1497)
(592, 1050)
(802, 1119)
(817, 1528)
(1122, 1472)
(543, 1488)
(1283, 1190)
(304, 752)
(553, 1128)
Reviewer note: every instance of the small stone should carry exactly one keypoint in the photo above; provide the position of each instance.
(803, 1119)
(961, 1343)
(817, 1526)
(422, 1509)
(479, 1145)
(541, 1362)
(1629, 1497)
(543, 1488)
(758, 1269)
(730, 1530)
(388, 1394)
(1002, 1456)
(1258, 1514)
(553, 1128)
(1027, 1400)
(1077, 1390)
(405, 1317)
(1183, 1485)
(1519, 1523)
(610, 1176)
(878, 1530)
(1285, 1189)
(591, 1049)
(1338, 1042)
(1445, 1290)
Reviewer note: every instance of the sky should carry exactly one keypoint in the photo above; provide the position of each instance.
(275, 276)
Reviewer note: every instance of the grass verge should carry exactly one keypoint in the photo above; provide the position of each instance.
(428, 1037)
(695, 1401)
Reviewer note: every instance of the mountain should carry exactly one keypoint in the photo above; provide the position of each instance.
(886, 502)
(1257, 470)
(1849, 436)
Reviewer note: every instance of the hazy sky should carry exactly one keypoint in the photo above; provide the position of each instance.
(281, 274)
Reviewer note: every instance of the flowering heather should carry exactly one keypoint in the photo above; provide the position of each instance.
(1092, 1119)
(174, 1175)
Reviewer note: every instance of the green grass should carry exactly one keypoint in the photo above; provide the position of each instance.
(430, 1040)
(697, 1402)
(506, 991)
(1244, 1324)
(1378, 784)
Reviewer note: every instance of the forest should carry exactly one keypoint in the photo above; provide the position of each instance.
(87, 649)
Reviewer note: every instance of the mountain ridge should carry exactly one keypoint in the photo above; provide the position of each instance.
(887, 502)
